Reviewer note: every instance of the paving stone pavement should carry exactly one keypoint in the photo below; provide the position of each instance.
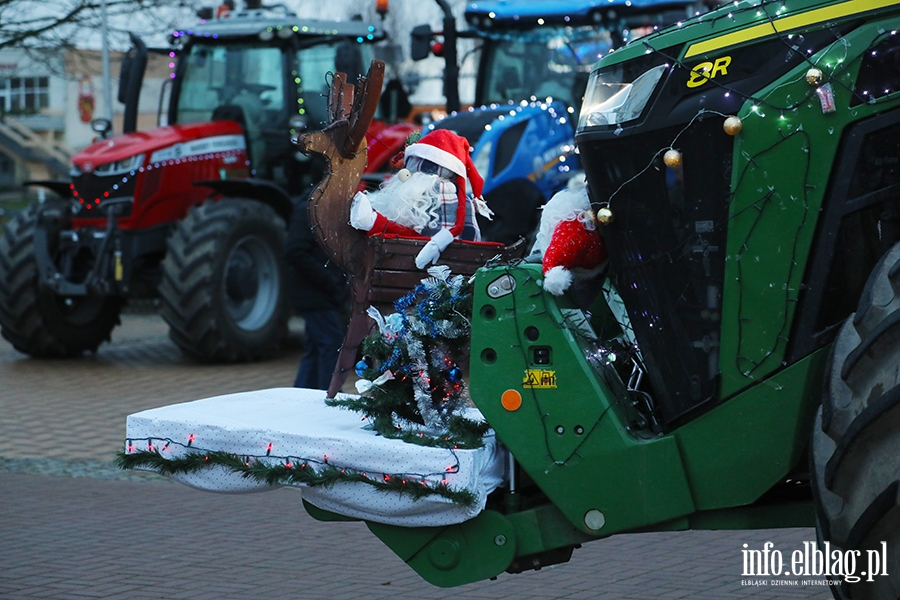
(72, 526)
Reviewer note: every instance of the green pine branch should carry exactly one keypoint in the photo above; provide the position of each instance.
(287, 474)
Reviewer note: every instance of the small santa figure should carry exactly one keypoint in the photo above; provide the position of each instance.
(568, 240)
(427, 198)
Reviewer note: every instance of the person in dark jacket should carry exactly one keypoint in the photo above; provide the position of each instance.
(320, 296)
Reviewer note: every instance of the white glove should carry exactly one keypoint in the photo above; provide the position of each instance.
(483, 209)
(431, 252)
(362, 215)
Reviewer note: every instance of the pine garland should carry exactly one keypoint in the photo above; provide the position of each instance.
(287, 474)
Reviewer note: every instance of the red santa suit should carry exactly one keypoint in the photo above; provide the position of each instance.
(568, 240)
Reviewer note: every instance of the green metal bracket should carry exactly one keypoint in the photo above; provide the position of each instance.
(794, 514)
(477, 549)
(565, 416)
(320, 514)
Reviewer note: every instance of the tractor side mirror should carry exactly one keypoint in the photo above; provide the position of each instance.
(420, 44)
(102, 127)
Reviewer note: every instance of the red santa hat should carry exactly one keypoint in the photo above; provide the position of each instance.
(569, 241)
(451, 151)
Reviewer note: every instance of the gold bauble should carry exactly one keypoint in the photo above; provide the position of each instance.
(672, 158)
(605, 216)
(814, 76)
(733, 125)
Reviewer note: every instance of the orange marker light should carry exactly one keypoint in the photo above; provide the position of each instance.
(511, 400)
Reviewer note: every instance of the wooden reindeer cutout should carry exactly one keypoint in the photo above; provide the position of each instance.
(381, 269)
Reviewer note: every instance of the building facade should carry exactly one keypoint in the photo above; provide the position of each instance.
(48, 99)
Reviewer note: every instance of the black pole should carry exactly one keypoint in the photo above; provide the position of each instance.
(451, 70)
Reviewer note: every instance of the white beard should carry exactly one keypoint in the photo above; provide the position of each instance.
(414, 203)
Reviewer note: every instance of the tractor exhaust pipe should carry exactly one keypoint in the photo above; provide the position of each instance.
(130, 80)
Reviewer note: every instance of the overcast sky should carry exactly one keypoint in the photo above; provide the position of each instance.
(402, 17)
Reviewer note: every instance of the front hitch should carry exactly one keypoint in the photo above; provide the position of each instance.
(80, 262)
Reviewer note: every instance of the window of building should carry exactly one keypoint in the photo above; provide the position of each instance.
(24, 94)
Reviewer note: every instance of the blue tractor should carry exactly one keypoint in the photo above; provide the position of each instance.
(535, 58)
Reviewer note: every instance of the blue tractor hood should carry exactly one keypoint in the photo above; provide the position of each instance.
(525, 13)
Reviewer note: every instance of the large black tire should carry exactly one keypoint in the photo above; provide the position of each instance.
(223, 285)
(34, 319)
(856, 439)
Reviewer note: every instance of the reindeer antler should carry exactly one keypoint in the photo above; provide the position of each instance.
(342, 145)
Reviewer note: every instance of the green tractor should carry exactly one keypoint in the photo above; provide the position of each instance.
(742, 367)
(737, 368)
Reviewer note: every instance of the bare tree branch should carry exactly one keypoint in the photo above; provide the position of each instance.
(52, 23)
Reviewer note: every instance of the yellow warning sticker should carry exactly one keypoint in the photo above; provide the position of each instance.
(539, 378)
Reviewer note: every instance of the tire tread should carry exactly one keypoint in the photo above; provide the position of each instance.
(186, 290)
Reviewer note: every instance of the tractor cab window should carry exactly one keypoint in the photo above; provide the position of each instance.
(317, 63)
(247, 76)
(555, 62)
(266, 87)
(879, 72)
(243, 83)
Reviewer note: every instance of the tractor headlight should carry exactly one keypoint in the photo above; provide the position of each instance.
(611, 99)
(126, 165)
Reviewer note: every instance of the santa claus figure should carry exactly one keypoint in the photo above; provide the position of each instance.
(568, 240)
(427, 198)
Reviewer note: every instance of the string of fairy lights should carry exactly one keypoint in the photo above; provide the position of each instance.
(120, 180)
(767, 200)
(825, 68)
(154, 453)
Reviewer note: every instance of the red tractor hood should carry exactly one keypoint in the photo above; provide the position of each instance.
(152, 142)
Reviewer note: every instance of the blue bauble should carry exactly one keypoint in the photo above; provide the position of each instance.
(454, 375)
(365, 363)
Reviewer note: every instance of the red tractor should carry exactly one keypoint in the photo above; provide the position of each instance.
(193, 211)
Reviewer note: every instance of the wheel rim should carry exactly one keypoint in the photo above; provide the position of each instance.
(251, 284)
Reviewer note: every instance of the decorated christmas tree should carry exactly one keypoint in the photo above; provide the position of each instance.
(412, 385)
